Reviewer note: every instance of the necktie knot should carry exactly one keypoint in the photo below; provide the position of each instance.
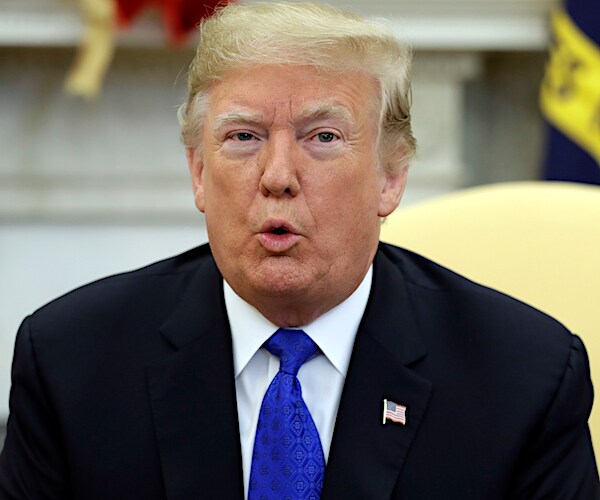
(293, 347)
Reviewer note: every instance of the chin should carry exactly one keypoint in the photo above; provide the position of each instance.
(281, 277)
(283, 286)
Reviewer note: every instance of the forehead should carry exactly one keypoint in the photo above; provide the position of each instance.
(298, 92)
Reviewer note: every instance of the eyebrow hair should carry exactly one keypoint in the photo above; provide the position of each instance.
(313, 112)
(326, 110)
(237, 117)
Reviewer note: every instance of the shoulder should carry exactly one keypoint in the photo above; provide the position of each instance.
(475, 314)
(508, 380)
(149, 292)
(426, 277)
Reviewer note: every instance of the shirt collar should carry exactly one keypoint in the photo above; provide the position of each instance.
(334, 332)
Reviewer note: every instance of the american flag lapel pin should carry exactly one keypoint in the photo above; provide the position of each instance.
(394, 412)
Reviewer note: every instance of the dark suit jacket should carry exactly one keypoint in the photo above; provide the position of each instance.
(124, 389)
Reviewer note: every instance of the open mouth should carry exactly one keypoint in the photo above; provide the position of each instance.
(279, 231)
(278, 236)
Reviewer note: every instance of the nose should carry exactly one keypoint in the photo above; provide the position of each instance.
(280, 175)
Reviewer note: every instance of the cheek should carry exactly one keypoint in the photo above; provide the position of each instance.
(346, 211)
(356, 193)
(228, 185)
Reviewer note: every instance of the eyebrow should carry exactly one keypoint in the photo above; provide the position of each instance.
(238, 117)
(326, 110)
(314, 112)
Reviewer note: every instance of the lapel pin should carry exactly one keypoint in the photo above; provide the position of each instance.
(394, 412)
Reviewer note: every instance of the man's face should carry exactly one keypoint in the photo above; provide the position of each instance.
(289, 183)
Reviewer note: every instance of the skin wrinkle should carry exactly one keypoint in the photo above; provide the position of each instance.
(236, 117)
(313, 113)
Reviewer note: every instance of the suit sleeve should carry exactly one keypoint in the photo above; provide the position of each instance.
(560, 462)
(33, 463)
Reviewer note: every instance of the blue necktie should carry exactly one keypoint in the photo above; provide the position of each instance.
(288, 461)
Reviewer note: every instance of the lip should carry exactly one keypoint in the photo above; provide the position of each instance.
(272, 224)
(278, 243)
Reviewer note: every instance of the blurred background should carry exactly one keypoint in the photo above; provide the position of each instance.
(95, 186)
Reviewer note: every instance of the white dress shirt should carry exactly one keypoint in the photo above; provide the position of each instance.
(321, 378)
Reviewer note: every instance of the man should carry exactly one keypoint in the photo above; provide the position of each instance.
(295, 339)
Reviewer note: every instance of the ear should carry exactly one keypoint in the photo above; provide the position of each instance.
(196, 166)
(391, 191)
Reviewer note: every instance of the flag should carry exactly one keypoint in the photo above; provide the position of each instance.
(570, 94)
(394, 412)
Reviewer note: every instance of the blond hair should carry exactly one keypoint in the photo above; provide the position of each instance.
(329, 39)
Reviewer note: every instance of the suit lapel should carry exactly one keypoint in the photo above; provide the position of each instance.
(192, 395)
(366, 455)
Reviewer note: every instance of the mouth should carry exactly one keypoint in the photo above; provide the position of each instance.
(279, 231)
(278, 236)
(278, 227)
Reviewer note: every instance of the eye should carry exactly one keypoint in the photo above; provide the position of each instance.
(326, 137)
(242, 136)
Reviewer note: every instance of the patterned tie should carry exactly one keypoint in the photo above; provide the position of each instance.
(288, 461)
